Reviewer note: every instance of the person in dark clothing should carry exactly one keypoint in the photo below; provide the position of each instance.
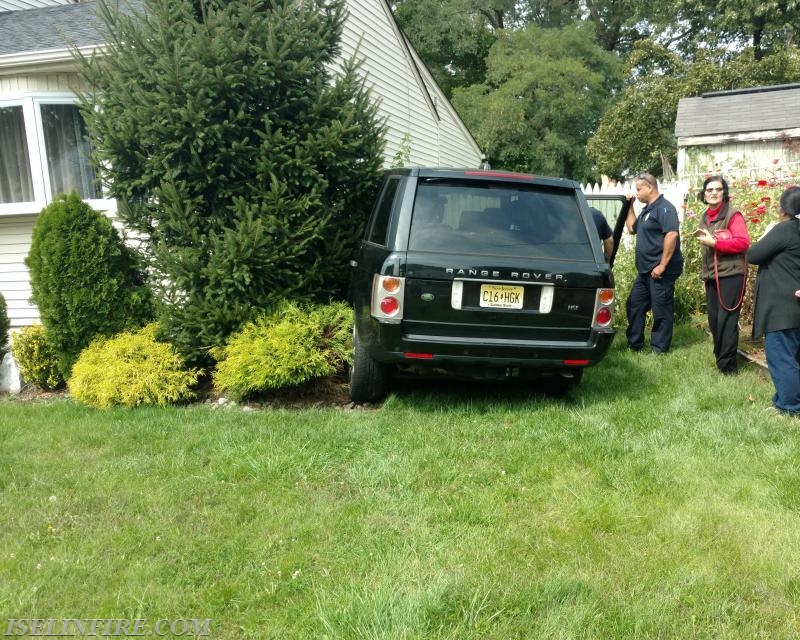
(723, 239)
(777, 308)
(659, 262)
(604, 231)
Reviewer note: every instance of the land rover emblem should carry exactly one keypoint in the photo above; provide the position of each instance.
(427, 297)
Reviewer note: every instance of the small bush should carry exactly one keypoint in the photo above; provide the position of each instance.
(131, 369)
(85, 281)
(289, 347)
(36, 357)
(5, 326)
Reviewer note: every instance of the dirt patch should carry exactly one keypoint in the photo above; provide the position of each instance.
(32, 393)
(332, 391)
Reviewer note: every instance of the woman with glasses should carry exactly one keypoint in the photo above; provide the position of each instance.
(777, 309)
(723, 239)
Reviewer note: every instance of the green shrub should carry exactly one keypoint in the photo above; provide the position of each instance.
(36, 357)
(286, 348)
(5, 326)
(84, 279)
(131, 369)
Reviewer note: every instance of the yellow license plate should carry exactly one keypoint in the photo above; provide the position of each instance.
(501, 296)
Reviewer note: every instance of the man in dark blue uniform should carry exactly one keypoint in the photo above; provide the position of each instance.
(659, 262)
(604, 231)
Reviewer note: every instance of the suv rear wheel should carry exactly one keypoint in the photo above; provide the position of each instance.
(369, 380)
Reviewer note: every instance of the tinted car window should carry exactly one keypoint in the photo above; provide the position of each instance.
(380, 224)
(503, 220)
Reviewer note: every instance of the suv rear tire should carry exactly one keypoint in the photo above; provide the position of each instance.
(369, 380)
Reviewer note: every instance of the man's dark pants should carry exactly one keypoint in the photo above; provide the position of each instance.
(659, 296)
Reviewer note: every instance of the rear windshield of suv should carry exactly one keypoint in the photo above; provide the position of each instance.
(498, 219)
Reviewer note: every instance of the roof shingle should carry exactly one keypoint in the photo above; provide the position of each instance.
(49, 28)
(741, 111)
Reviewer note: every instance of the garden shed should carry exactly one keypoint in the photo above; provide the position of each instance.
(752, 133)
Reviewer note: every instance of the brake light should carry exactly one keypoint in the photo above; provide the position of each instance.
(604, 311)
(499, 174)
(603, 315)
(389, 305)
(387, 298)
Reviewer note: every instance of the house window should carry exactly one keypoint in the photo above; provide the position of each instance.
(16, 184)
(43, 152)
(68, 151)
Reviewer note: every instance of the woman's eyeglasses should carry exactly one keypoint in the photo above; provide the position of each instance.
(714, 189)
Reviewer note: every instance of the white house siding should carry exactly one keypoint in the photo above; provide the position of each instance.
(16, 86)
(397, 76)
(15, 241)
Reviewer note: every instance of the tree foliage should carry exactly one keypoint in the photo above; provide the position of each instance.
(452, 40)
(544, 93)
(230, 143)
(766, 27)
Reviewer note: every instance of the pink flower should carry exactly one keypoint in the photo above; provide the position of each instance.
(762, 183)
(766, 199)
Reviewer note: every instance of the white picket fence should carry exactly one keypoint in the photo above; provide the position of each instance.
(676, 192)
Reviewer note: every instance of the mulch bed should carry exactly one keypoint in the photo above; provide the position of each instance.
(323, 392)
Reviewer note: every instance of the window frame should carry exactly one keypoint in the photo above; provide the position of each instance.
(40, 174)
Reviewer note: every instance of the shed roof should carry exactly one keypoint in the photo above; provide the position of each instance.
(740, 111)
(48, 28)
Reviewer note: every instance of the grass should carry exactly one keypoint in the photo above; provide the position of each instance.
(657, 501)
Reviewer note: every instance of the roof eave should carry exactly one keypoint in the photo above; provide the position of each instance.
(45, 61)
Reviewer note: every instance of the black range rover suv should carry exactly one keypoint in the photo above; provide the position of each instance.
(483, 275)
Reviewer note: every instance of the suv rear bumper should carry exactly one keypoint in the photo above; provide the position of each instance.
(388, 344)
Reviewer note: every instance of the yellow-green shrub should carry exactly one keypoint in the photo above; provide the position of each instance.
(286, 348)
(37, 359)
(131, 369)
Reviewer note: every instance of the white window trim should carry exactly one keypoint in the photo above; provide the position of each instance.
(40, 174)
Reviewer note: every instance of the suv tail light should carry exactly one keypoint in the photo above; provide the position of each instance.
(387, 298)
(603, 318)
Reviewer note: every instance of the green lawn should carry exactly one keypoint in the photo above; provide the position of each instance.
(658, 501)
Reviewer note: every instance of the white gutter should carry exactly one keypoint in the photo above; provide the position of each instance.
(48, 60)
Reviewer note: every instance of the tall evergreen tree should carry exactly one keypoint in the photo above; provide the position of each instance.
(232, 142)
